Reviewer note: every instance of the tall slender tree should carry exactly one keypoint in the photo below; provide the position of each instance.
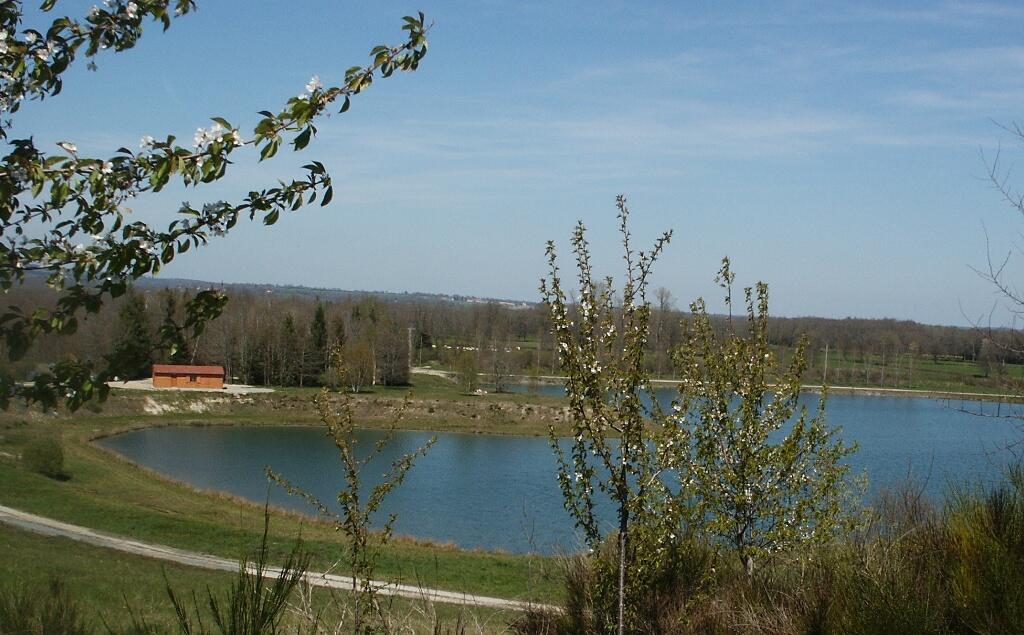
(317, 355)
(132, 354)
(177, 351)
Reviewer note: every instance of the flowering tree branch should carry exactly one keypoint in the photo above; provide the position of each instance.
(67, 214)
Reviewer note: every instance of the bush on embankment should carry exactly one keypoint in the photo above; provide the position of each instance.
(44, 455)
(915, 568)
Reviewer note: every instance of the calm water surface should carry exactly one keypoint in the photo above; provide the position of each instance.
(498, 492)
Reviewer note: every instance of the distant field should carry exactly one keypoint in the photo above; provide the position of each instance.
(869, 370)
(916, 373)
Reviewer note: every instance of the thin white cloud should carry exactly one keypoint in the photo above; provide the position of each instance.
(960, 14)
(989, 102)
(917, 140)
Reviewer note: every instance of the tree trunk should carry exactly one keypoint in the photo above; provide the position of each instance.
(623, 536)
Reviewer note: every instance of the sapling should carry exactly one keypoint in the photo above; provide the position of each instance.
(621, 450)
(358, 507)
(767, 476)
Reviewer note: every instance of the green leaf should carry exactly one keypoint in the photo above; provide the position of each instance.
(328, 195)
(270, 149)
(302, 140)
(159, 177)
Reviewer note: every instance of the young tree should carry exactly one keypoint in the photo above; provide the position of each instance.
(500, 364)
(466, 369)
(662, 316)
(766, 476)
(358, 364)
(338, 336)
(64, 214)
(617, 451)
(290, 347)
(987, 361)
(358, 507)
(422, 341)
(393, 355)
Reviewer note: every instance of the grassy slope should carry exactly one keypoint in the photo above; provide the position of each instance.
(104, 582)
(99, 578)
(113, 495)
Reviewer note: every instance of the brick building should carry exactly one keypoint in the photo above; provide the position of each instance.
(181, 376)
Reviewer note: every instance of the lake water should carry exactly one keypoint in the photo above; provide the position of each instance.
(500, 492)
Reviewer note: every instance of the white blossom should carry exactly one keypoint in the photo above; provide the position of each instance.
(314, 84)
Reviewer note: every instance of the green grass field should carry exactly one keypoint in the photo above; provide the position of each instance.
(110, 494)
(107, 493)
(915, 373)
(109, 586)
(906, 372)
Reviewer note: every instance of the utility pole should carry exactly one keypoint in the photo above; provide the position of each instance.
(410, 348)
(824, 373)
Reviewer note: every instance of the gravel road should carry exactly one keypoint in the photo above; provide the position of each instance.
(50, 527)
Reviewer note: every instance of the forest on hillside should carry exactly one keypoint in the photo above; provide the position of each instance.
(269, 337)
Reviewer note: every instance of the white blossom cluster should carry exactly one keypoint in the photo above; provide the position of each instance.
(131, 10)
(213, 219)
(216, 133)
(312, 86)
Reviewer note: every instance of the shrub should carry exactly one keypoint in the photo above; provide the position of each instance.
(27, 611)
(255, 604)
(984, 540)
(44, 456)
(659, 591)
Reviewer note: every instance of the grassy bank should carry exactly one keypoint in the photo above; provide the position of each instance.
(431, 403)
(106, 493)
(108, 587)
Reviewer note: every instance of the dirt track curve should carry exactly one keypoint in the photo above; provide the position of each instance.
(50, 527)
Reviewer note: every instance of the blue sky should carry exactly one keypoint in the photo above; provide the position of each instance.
(834, 151)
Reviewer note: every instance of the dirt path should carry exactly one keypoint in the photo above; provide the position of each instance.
(50, 527)
(228, 389)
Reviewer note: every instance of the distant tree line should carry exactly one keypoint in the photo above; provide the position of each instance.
(281, 339)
